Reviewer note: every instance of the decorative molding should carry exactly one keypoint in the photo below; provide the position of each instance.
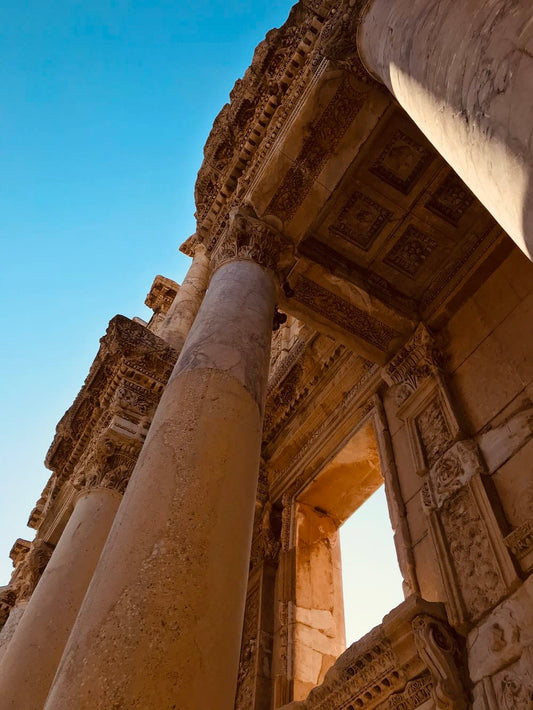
(344, 314)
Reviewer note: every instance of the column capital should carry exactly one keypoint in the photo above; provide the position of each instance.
(110, 466)
(192, 245)
(338, 39)
(252, 238)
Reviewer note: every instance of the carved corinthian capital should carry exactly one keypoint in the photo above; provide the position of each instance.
(338, 40)
(253, 239)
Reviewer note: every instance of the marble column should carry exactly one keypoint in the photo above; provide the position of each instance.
(33, 654)
(161, 624)
(181, 314)
(463, 71)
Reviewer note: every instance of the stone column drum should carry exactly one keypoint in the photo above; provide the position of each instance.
(33, 654)
(182, 312)
(161, 624)
(463, 71)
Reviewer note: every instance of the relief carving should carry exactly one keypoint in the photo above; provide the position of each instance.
(7, 602)
(433, 431)
(416, 361)
(360, 220)
(110, 466)
(475, 563)
(520, 541)
(250, 238)
(402, 162)
(344, 314)
(453, 469)
(452, 199)
(29, 571)
(439, 650)
(324, 136)
(410, 252)
(416, 693)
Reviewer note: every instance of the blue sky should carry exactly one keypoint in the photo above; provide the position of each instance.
(106, 105)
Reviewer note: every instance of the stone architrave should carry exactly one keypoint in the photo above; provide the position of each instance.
(464, 73)
(161, 623)
(181, 314)
(34, 652)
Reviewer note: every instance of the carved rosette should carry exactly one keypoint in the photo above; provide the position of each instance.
(249, 238)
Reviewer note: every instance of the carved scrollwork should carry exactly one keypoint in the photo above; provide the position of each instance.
(438, 648)
(250, 238)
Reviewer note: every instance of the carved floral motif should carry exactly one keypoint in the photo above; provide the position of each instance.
(481, 582)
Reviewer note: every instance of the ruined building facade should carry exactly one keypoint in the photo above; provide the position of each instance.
(358, 311)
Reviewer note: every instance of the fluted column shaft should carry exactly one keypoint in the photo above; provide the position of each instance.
(161, 624)
(181, 314)
(463, 71)
(33, 654)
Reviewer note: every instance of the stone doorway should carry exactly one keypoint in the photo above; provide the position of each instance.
(351, 477)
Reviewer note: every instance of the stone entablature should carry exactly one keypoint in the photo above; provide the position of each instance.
(109, 419)
(413, 658)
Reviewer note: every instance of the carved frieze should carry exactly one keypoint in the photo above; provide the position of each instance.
(417, 692)
(324, 135)
(344, 314)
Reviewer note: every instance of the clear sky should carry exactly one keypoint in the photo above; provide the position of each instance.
(106, 105)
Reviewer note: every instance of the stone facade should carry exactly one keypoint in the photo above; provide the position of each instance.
(367, 322)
